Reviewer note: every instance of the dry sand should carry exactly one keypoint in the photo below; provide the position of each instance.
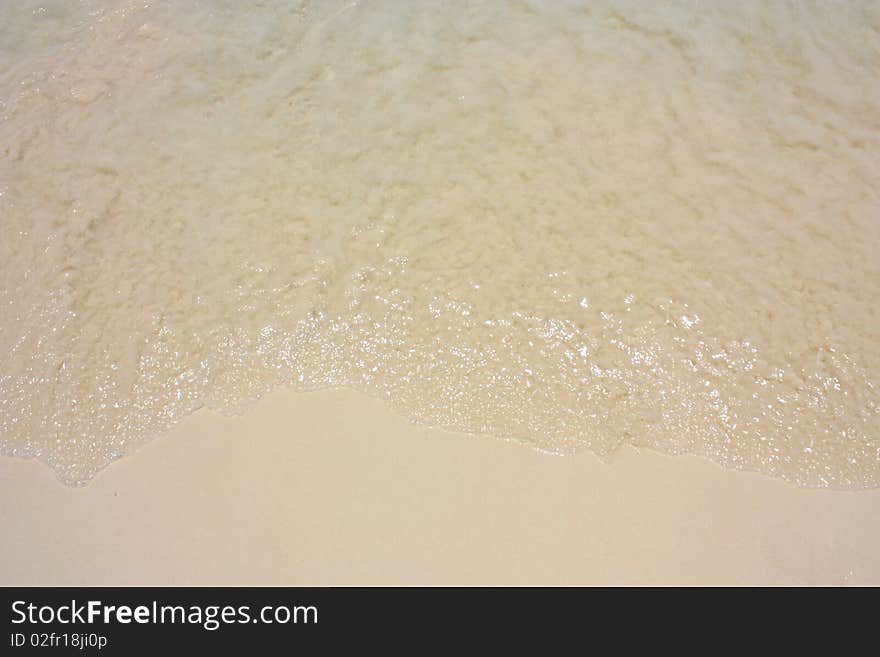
(332, 488)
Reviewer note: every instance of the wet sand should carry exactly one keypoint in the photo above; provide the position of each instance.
(578, 224)
(331, 488)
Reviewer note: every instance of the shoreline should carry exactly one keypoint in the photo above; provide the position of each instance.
(333, 488)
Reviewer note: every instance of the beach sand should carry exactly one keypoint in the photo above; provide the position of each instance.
(331, 488)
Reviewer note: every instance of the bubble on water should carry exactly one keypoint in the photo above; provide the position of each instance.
(572, 228)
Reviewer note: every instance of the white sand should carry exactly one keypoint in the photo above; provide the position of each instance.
(583, 225)
(343, 492)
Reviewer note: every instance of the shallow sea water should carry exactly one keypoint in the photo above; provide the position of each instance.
(571, 224)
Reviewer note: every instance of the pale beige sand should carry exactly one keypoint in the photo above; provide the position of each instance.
(332, 488)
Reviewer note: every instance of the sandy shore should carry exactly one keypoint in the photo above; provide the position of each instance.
(332, 488)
